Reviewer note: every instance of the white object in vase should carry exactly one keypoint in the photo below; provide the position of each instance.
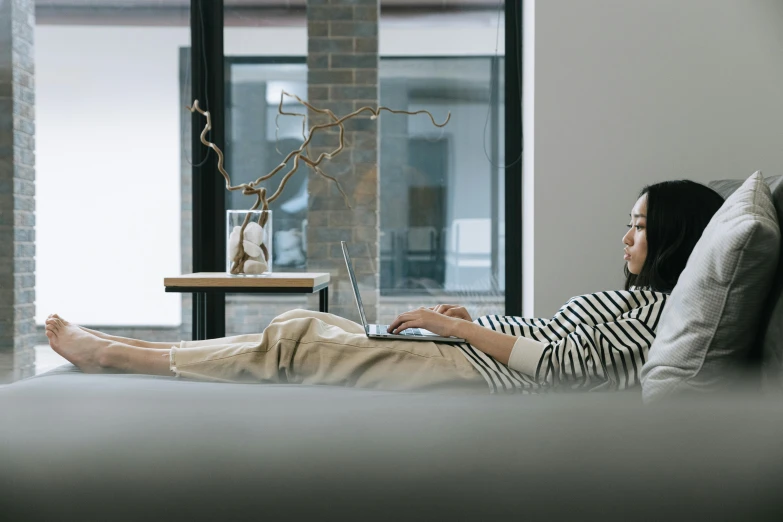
(233, 242)
(255, 267)
(254, 233)
(251, 249)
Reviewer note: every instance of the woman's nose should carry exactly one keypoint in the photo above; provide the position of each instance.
(627, 238)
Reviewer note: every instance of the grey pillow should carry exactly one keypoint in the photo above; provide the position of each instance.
(711, 318)
(770, 349)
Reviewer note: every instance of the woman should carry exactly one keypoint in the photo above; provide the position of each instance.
(595, 341)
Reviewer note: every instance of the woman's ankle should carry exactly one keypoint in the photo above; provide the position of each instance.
(107, 356)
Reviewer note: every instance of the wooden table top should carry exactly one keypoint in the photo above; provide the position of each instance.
(224, 280)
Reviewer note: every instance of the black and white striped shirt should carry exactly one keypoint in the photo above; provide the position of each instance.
(595, 342)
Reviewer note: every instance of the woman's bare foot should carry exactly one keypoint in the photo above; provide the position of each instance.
(79, 347)
(116, 339)
(96, 333)
(94, 354)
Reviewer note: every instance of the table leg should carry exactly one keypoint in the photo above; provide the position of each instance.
(215, 325)
(199, 316)
(323, 300)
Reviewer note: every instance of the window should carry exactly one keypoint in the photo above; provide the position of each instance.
(108, 132)
(441, 219)
(442, 231)
(441, 216)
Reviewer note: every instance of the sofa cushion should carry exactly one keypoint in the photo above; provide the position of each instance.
(770, 337)
(711, 318)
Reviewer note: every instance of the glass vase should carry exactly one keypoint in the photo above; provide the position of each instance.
(249, 237)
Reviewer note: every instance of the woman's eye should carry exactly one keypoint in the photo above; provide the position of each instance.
(639, 227)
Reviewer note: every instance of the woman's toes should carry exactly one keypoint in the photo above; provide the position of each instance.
(56, 318)
(78, 347)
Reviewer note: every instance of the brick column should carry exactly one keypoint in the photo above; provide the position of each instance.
(17, 190)
(342, 75)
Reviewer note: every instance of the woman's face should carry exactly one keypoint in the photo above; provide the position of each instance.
(635, 240)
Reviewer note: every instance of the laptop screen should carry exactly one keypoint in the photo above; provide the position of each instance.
(353, 283)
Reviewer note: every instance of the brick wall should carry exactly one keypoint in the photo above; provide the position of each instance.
(17, 190)
(342, 75)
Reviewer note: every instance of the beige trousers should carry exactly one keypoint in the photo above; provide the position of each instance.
(305, 347)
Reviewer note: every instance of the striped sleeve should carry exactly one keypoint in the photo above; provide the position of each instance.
(595, 342)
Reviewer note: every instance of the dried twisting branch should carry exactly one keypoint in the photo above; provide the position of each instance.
(301, 154)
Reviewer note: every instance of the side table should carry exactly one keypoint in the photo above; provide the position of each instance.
(203, 284)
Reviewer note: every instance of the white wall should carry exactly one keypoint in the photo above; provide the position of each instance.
(107, 174)
(632, 93)
(108, 215)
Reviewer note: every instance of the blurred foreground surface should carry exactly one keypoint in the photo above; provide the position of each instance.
(123, 447)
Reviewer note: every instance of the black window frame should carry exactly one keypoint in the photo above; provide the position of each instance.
(209, 195)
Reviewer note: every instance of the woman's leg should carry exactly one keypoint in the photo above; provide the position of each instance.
(123, 340)
(131, 342)
(117, 355)
(298, 347)
(97, 355)
(335, 320)
(331, 319)
(303, 347)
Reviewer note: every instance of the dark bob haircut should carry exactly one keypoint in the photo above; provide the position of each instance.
(677, 214)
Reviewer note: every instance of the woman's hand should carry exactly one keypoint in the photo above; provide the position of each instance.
(452, 311)
(427, 319)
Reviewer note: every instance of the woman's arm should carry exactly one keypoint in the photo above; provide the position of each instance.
(586, 353)
(495, 344)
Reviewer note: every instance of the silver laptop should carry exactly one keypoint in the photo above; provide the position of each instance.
(380, 331)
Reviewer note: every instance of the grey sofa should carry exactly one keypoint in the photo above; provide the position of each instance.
(126, 447)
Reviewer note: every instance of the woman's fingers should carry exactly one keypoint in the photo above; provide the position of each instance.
(459, 312)
(417, 318)
(405, 321)
(404, 326)
(393, 325)
(398, 321)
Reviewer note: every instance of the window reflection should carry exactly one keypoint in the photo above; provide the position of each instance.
(441, 226)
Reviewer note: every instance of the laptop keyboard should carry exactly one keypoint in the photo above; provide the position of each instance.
(384, 328)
